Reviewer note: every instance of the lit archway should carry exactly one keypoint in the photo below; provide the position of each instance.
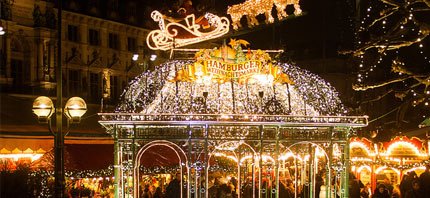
(182, 157)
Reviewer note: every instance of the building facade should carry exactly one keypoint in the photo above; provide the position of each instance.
(96, 52)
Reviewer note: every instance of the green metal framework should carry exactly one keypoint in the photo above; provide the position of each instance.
(260, 135)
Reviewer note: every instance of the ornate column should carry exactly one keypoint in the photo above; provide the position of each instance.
(116, 166)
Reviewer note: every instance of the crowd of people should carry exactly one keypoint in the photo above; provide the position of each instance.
(411, 186)
(172, 190)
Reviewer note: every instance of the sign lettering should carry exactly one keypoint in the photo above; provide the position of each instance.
(232, 70)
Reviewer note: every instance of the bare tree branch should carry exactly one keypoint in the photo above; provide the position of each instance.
(392, 11)
(378, 98)
(366, 87)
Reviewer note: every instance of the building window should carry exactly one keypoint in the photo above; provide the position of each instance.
(132, 44)
(72, 33)
(95, 87)
(74, 82)
(94, 37)
(17, 72)
(2, 63)
(113, 41)
(114, 88)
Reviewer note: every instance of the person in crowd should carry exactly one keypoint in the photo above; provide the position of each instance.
(415, 192)
(173, 190)
(283, 192)
(355, 185)
(158, 193)
(146, 192)
(424, 181)
(388, 186)
(247, 189)
(233, 184)
(319, 181)
(225, 191)
(290, 188)
(365, 192)
(214, 189)
(381, 192)
(396, 192)
(406, 183)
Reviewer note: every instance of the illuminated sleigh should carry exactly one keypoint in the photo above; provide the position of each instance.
(176, 33)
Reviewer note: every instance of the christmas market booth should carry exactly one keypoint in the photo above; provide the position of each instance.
(374, 162)
(231, 116)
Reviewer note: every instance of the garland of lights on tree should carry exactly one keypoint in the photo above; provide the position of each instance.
(392, 50)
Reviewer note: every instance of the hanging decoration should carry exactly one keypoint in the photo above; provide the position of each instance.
(252, 8)
(175, 32)
(230, 63)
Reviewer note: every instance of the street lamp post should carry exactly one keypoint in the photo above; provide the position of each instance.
(43, 107)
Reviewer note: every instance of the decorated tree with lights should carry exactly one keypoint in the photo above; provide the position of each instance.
(393, 56)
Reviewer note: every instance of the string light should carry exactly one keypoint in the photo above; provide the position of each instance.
(378, 19)
(252, 8)
(169, 37)
(310, 94)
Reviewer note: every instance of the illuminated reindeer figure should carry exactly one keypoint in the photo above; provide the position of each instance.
(282, 4)
(252, 8)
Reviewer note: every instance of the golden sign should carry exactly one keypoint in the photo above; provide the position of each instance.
(231, 63)
(228, 70)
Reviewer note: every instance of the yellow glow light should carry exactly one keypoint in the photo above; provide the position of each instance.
(416, 168)
(16, 157)
(227, 156)
(385, 167)
(363, 146)
(403, 144)
(359, 169)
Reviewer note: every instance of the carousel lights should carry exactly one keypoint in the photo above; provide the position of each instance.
(363, 146)
(380, 169)
(417, 168)
(367, 167)
(403, 144)
(385, 167)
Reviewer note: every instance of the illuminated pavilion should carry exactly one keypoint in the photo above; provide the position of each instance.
(268, 121)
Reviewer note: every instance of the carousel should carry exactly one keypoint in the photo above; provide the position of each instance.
(378, 162)
(235, 116)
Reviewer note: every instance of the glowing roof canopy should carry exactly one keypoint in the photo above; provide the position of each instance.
(230, 81)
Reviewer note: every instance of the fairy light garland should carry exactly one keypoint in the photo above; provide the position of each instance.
(310, 95)
(382, 21)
